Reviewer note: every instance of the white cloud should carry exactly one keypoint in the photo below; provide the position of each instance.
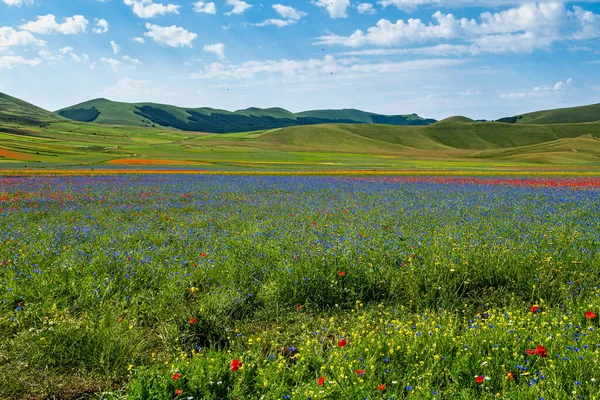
(172, 36)
(131, 60)
(217, 48)
(206, 8)
(538, 91)
(65, 50)
(290, 13)
(83, 58)
(115, 47)
(18, 3)
(239, 7)
(411, 5)
(138, 40)
(114, 64)
(520, 29)
(335, 8)
(11, 37)
(311, 70)
(102, 26)
(7, 62)
(407, 5)
(149, 9)
(366, 8)
(280, 23)
(439, 50)
(47, 25)
(47, 55)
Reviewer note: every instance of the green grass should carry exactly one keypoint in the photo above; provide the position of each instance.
(570, 115)
(343, 146)
(430, 285)
(32, 137)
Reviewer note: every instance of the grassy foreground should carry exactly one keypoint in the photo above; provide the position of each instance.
(257, 287)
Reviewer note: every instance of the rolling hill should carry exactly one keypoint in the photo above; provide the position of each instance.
(102, 111)
(570, 115)
(13, 110)
(31, 136)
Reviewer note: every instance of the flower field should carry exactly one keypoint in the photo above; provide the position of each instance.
(183, 286)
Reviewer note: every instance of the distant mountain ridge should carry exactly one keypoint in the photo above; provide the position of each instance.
(103, 111)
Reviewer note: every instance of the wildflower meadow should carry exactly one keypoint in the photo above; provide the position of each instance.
(183, 286)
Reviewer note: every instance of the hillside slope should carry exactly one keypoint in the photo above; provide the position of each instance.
(104, 111)
(571, 115)
(13, 110)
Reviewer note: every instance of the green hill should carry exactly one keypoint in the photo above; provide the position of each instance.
(104, 111)
(457, 118)
(13, 110)
(570, 115)
(141, 134)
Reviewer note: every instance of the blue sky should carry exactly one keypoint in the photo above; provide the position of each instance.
(481, 58)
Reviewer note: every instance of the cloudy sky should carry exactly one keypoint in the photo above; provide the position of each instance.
(480, 58)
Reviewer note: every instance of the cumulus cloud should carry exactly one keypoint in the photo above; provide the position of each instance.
(290, 14)
(217, 48)
(366, 8)
(131, 60)
(115, 47)
(205, 8)
(520, 29)
(18, 2)
(171, 36)
(83, 58)
(11, 37)
(101, 26)
(47, 25)
(149, 9)
(335, 8)
(538, 91)
(138, 40)
(65, 50)
(7, 62)
(239, 7)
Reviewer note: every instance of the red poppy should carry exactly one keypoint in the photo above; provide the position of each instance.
(480, 379)
(299, 307)
(510, 376)
(590, 315)
(178, 392)
(203, 255)
(192, 320)
(176, 376)
(381, 387)
(360, 372)
(235, 365)
(535, 309)
(341, 273)
(321, 381)
(540, 351)
(342, 343)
